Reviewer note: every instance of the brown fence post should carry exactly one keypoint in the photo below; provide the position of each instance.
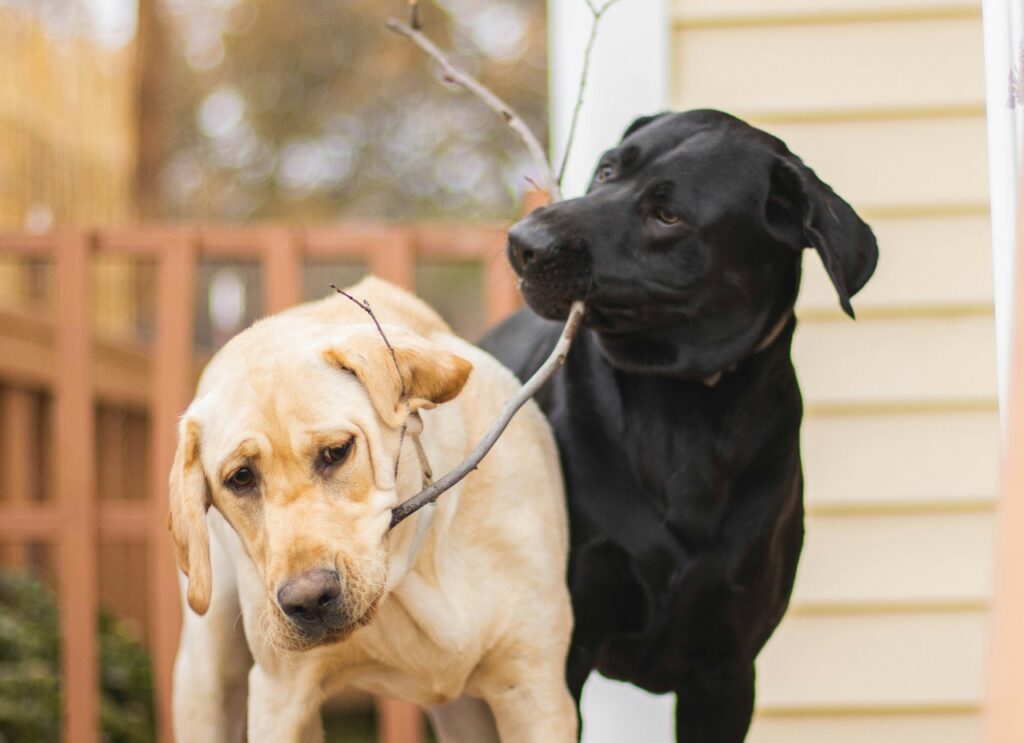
(75, 479)
(501, 287)
(398, 722)
(171, 391)
(394, 259)
(17, 416)
(282, 270)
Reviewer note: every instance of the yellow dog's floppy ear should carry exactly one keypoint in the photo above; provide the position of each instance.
(186, 519)
(431, 374)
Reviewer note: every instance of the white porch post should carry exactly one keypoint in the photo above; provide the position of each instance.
(629, 77)
(1004, 32)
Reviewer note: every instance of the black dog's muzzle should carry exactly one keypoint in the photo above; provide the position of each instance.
(554, 267)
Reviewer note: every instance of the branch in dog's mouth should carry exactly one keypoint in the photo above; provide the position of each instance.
(529, 389)
(434, 490)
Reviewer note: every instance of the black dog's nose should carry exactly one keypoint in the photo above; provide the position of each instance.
(308, 597)
(529, 241)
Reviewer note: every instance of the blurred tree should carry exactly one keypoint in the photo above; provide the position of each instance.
(152, 53)
(310, 109)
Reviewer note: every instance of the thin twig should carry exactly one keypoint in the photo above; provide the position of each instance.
(364, 305)
(469, 83)
(414, 14)
(534, 383)
(596, 13)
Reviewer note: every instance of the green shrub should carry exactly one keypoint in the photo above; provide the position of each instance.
(30, 695)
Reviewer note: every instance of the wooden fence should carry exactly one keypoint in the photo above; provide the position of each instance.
(114, 408)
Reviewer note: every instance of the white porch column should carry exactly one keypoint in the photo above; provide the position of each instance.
(629, 77)
(1004, 32)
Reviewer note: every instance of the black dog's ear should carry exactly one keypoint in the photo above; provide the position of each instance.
(803, 210)
(640, 123)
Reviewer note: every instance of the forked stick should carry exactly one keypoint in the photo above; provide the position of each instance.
(534, 383)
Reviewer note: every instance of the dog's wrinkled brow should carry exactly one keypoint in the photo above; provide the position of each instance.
(628, 156)
(660, 190)
(248, 449)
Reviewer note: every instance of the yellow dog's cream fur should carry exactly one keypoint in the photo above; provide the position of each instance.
(473, 625)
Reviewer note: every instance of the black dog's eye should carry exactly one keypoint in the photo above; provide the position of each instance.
(241, 480)
(334, 454)
(664, 216)
(604, 173)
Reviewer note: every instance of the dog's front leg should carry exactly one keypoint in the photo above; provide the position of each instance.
(209, 688)
(465, 720)
(533, 705)
(716, 705)
(284, 704)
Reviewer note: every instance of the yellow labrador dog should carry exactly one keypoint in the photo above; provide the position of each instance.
(289, 462)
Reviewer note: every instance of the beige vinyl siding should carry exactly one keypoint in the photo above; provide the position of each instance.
(908, 460)
(898, 359)
(885, 100)
(921, 253)
(694, 12)
(892, 728)
(803, 68)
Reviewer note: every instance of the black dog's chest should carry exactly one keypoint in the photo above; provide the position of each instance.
(676, 490)
(676, 447)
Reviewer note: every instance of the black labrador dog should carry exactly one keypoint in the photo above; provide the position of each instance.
(678, 412)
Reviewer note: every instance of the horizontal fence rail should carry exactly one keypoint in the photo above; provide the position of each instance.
(53, 353)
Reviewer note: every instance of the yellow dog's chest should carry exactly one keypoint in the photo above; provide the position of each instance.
(423, 651)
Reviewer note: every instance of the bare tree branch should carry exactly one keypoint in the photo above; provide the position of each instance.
(469, 83)
(534, 383)
(364, 305)
(552, 185)
(584, 74)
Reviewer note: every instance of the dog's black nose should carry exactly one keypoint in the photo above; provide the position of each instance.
(529, 242)
(311, 596)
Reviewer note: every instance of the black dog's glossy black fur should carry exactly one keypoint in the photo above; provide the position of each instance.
(678, 412)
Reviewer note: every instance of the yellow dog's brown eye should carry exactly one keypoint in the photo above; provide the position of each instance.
(664, 216)
(334, 454)
(242, 479)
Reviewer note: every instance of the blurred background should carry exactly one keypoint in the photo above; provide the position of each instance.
(172, 169)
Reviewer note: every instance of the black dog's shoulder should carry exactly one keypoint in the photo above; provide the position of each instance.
(522, 342)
